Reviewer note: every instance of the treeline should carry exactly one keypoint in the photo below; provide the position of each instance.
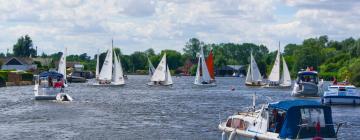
(331, 58)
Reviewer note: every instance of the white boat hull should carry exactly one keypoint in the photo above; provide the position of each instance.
(159, 84)
(341, 100)
(58, 97)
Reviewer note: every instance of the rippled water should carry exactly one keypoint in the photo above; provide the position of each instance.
(136, 111)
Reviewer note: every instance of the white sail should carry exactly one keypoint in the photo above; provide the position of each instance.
(286, 79)
(151, 68)
(160, 71)
(248, 75)
(275, 72)
(62, 64)
(197, 77)
(255, 73)
(106, 70)
(97, 66)
(204, 70)
(168, 79)
(117, 72)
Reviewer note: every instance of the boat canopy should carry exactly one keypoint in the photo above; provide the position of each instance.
(51, 74)
(301, 119)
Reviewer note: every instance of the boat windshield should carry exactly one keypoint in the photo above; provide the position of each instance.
(313, 78)
(236, 123)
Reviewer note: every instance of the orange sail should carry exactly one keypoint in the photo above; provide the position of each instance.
(210, 64)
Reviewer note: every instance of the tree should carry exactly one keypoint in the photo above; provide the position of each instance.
(173, 58)
(192, 47)
(24, 47)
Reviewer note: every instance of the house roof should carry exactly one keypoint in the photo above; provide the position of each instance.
(22, 60)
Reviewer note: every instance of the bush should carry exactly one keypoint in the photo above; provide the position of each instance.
(354, 73)
(2, 82)
(27, 76)
(4, 74)
(328, 76)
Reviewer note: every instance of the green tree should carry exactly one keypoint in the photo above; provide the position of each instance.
(192, 48)
(24, 47)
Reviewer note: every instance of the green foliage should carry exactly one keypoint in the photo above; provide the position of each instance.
(4, 74)
(24, 47)
(27, 76)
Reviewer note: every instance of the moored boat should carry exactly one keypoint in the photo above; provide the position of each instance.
(291, 119)
(308, 84)
(341, 94)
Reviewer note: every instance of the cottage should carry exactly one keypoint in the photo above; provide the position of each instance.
(18, 63)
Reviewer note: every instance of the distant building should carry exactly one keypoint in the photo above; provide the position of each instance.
(43, 61)
(231, 70)
(76, 66)
(18, 63)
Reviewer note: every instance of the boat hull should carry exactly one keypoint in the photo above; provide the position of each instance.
(160, 84)
(58, 97)
(205, 85)
(254, 84)
(307, 90)
(341, 100)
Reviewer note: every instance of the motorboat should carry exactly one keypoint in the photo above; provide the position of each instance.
(161, 76)
(253, 76)
(308, 84)
(50, 86)
(205, 70)
(289, 119)
(276, 78)
(341, 94)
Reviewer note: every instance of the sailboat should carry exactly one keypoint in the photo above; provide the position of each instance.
(111, 73)
(203, 76)
(62, 67)
(161, 75)
(253, 76)
(97, 67)
(151, 68)
(275, 78)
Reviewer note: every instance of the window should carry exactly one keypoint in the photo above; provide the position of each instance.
(311, 116)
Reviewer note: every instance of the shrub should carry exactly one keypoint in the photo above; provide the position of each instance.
(27, 76)
(4, 75)
(2, 82)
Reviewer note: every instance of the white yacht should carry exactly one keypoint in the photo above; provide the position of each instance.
(341, 94)
(253, 76)
(284, 120)
(308, 84)
(50, 86)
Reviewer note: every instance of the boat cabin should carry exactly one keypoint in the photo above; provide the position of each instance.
(51, 79)
(300, 119)
(308, 76)
(291, 119)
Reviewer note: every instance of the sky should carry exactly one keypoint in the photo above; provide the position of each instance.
(88, 26)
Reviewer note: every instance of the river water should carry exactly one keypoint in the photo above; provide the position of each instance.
(137, 111)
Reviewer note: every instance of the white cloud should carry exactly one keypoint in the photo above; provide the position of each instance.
(87, 26)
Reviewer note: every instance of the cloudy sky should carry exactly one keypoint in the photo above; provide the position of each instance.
(136, 25)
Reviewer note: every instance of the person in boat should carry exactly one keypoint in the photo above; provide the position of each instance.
(335, 81)
(50, 82)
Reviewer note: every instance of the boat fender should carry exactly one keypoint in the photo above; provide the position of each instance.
(223, 135)
(232, 135)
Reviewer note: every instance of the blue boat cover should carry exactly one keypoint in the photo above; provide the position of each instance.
(286, 105)
(291, 129)
(51, 74)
